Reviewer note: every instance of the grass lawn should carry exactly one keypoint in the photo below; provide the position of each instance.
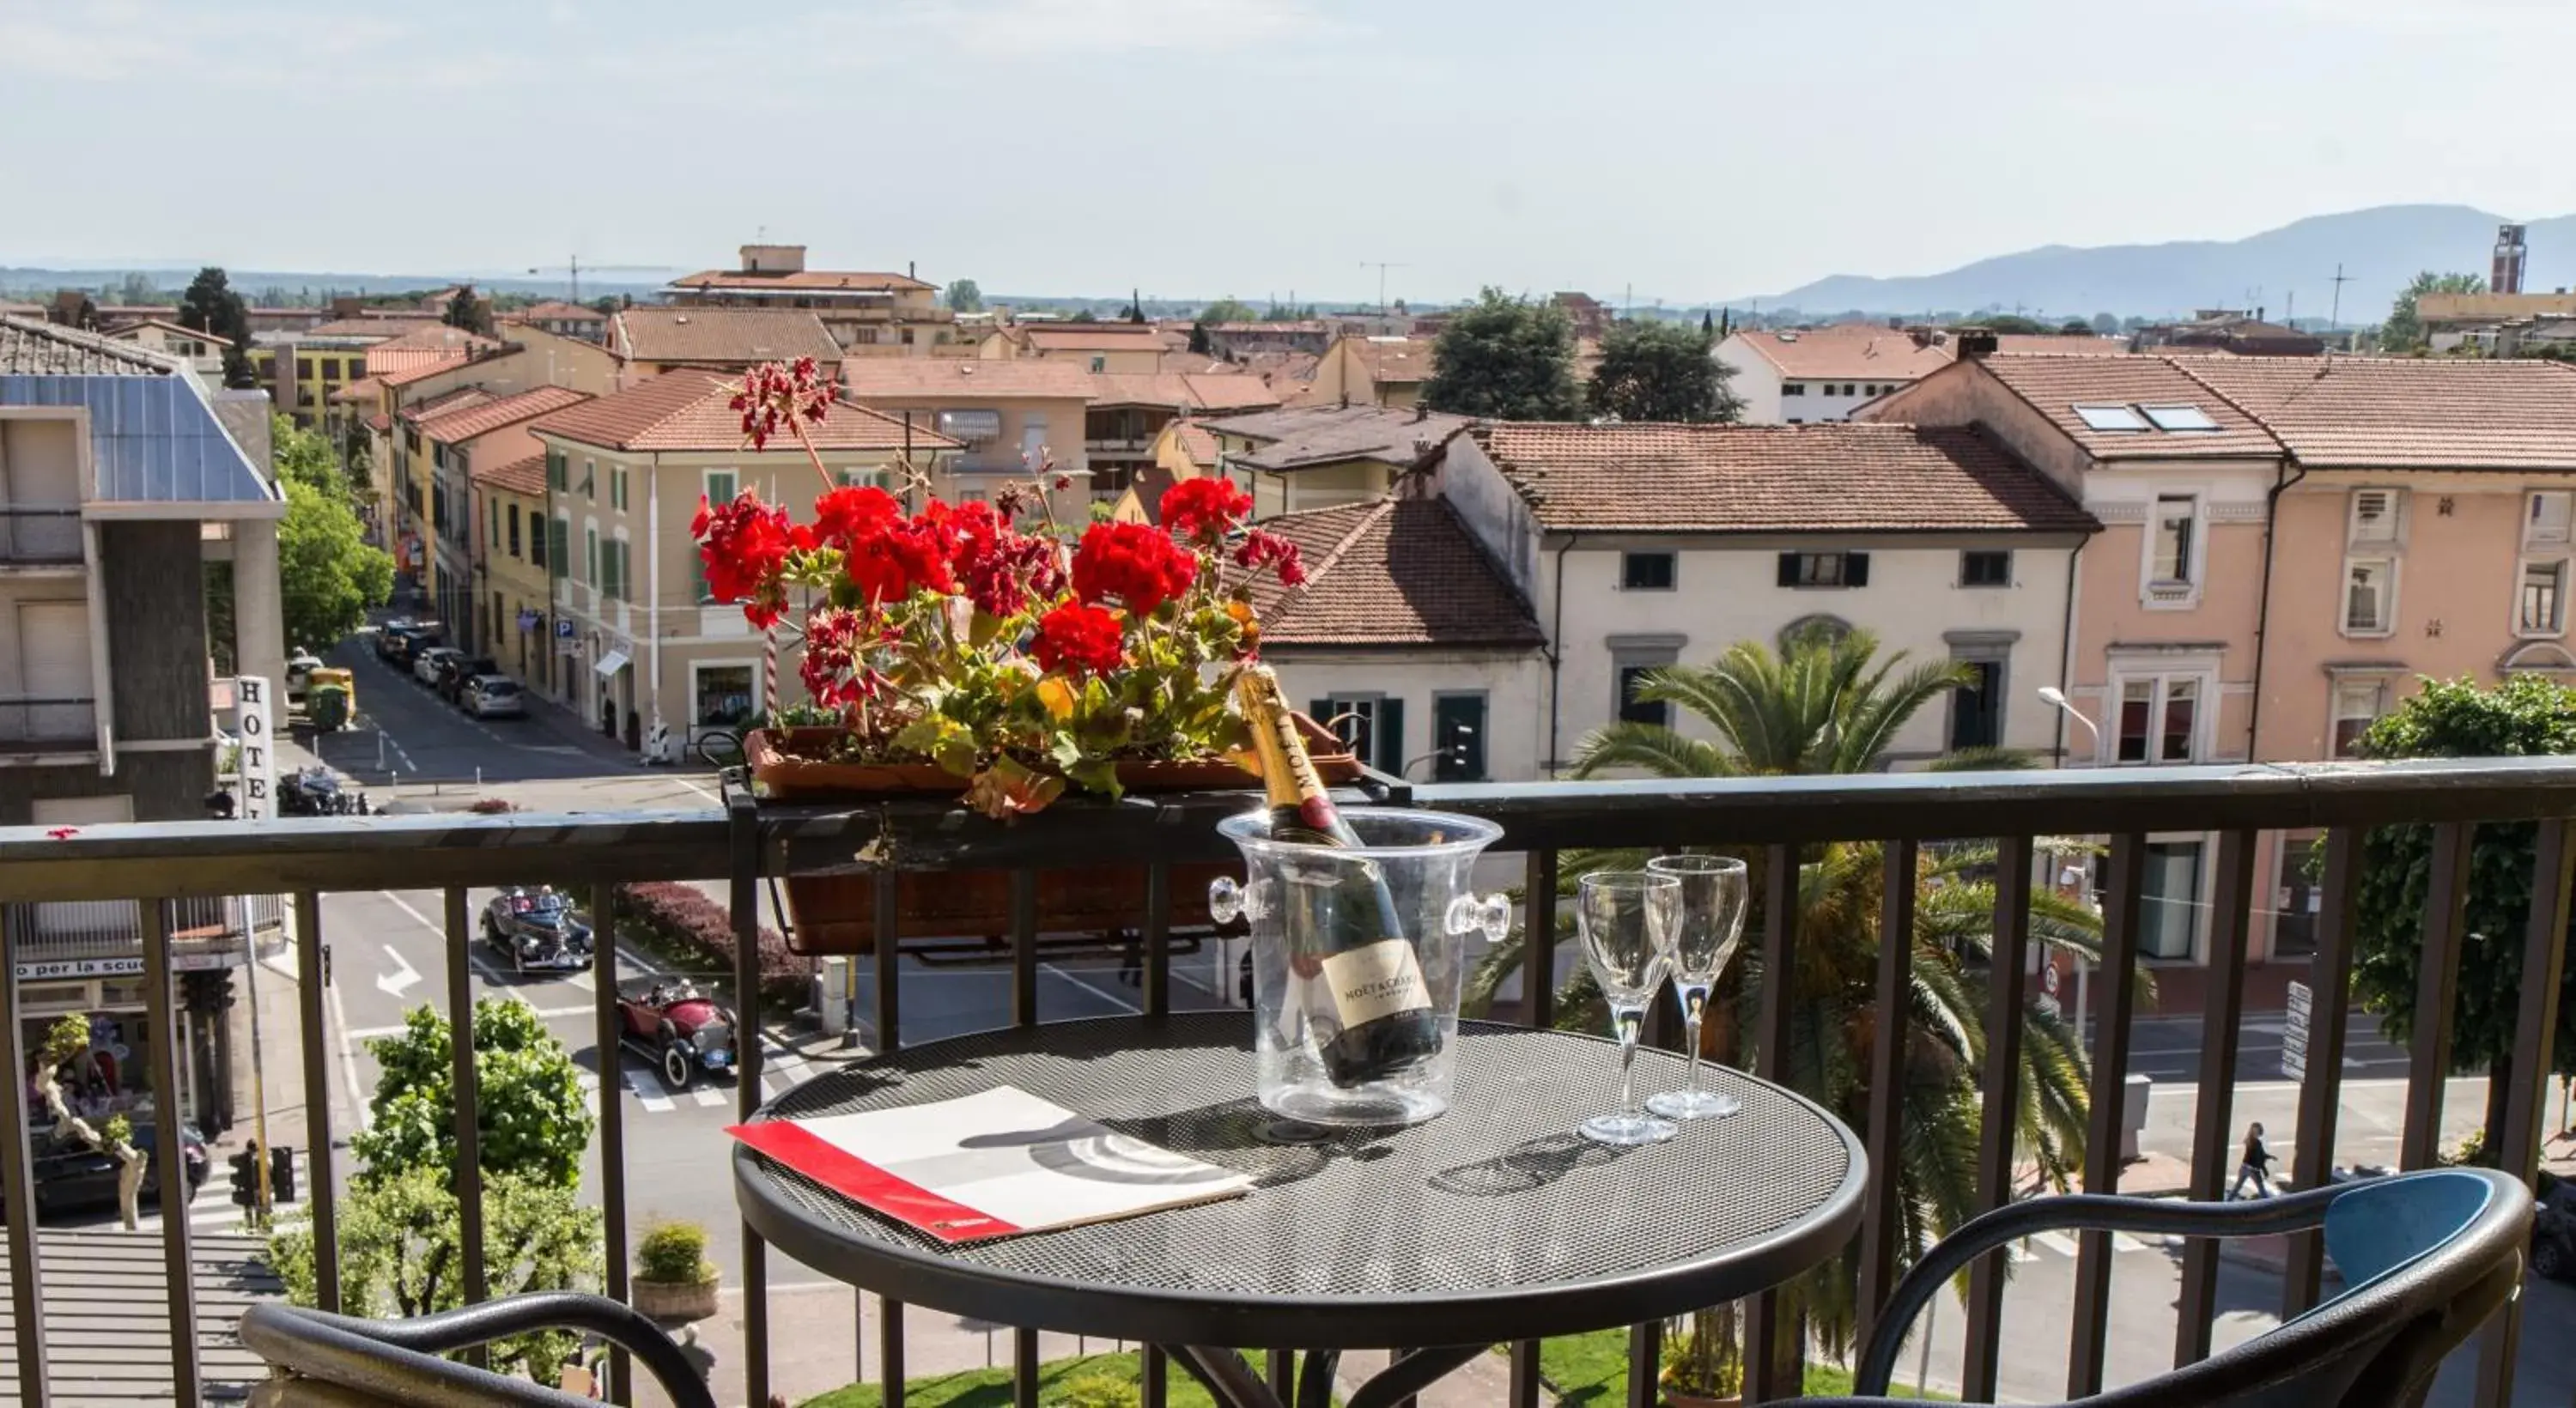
(1591, 1371)
(991, 1388)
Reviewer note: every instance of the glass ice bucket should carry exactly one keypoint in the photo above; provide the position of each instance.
(1321, 970)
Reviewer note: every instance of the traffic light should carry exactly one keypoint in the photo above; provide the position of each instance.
(245, 1167)
(281, 1173)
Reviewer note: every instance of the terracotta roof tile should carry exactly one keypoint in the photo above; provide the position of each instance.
(730, 337)
(29, 347)
(739, 281)
(1830, 477)
(2404, 412)
(1197, 443)
(555, 310)
(388, 325)
(1393, 572)
(685, 411)
(1094, 337)
(1395, 360)
(2056, 344)
(2493, 307)
(380, 422)
(1297, 437)
(1190, 391)
(913, 378)
(453, 424)
(2055, 386)
(445, 401)
(521, 476)
(1860, 351)
(167, 325)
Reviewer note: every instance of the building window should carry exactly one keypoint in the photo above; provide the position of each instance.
(617, 486)
(590, 479)
(1824, 569)
(1458, 732)
(590, 544)
(559, 549)
(724, 695)
(1793, 388)
(2175, 527)
(2374, 515)
(2369, 596)
(720, 486)
(2159, 719)
(1985, 569)
(2357, 705)
(2542, 607)
(537, 554)
(1100, 364)
(1372, 724)
(1646, 571)
(1977, 707)
(2170, 899)
(303, 369)
(513, 517)
(554, 469)
(492, 523)
(2545, 518)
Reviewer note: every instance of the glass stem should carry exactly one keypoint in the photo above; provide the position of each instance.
(1691, 1029)
(1627, 1065)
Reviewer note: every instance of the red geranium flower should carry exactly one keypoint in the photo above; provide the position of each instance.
(1139, 565)
(744, 543)
(835, 668)
(1204, 509)
(1264, 549)
(1078, 640)
(844, 515)
(894, 560)
(778, 394)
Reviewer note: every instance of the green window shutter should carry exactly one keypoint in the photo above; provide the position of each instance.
(590, 556)
(1390, 735)
(558, 549)
(698, 591)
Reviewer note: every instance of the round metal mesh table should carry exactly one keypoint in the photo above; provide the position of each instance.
(1495, 1221)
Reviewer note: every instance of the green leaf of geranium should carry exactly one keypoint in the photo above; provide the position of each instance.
(1096, 775)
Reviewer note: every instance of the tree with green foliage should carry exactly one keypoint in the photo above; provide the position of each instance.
(137, 288)
(2404, 331)
(2010, 324)
(2075, 327)
(328, 576)
(1505, 358)
(2106, 325)
(965, 296)
(2526, 715)
(1199, 344)
(1659, 371)
(402, 1253)
(1229, 309)
(468, 312)
(211, 306)
(1135, 305)
(532, 1116)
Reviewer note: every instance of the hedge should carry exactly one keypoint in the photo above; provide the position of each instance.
(701, 930)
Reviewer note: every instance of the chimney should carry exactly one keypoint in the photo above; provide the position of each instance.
(911, 270)
(1976, 342)
(347, 306)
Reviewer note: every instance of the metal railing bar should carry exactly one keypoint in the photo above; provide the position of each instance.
(185, 1381)
(1881, 1214)
(2221, 1020)
(1538, 938)
(1024, 1367)
(464, 1083)
(890, 1349)
(887, 892)
(2446, 907)
(2115, 987)
(1525, 1374)
(1645, 1369)
(1281, 1365)
(1154, 1377)
(743, 890)
(2321, 1094)
(2544, 967)
(609, 1027)
(318, 1154)
(1024, 948)
(1156, 980)
(1762, 1371)
(18, 1190)
(1999, 1120)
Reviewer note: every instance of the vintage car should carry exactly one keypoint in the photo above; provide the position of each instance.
(678, 1026)
(535, 930)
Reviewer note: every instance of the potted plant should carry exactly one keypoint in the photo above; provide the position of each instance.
(1703, 1360)
(674, 1281)
(987, 651)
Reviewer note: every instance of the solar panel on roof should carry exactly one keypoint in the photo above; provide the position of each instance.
(2110, 418)
(2178, 417)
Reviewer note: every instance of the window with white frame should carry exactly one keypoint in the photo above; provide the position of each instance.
(720, 486)
(2369, 596)
(2358, 703)
(2159, 720)
(2545, 517)
(2540, 606)
(2374, 515)
(2172, 539)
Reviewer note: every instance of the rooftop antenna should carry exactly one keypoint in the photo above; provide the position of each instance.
(2336, 315)
(1381, 266)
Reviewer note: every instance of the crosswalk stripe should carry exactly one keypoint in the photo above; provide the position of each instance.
(708, 1095)
(2020, 1251)
(650, 1092)
(2057, 1242)
(2123, 1242)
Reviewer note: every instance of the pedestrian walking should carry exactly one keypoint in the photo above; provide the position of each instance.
(1131, 962)
(2255, 1166)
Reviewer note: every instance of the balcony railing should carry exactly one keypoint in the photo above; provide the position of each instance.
(1780, 820)
(60, 723)
(39, 536)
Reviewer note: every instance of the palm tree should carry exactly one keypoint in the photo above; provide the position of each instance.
(1827, 702)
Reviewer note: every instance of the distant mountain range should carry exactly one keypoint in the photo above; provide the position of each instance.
(40, 281)
(2288, 271)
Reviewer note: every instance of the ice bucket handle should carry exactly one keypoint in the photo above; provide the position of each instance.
(1493, 914)
(1227, 900)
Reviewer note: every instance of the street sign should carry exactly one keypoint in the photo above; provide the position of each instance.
(2294, 1033)
(258, 764)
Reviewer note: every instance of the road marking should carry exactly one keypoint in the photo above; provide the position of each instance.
(707, 1094)
(1111, 998)
(348, 1057)
(393, 983)
(710, 796)
(657, 1100)
(2123, 1242)
(405, 906)
(2057, 1242)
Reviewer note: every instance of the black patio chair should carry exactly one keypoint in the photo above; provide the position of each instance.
(2425, 1259)
(341, 1361)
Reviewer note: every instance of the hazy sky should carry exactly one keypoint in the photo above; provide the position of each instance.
(1688, 148)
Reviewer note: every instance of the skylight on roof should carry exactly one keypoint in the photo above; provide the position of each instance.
(2110, 418)
(2178, 417)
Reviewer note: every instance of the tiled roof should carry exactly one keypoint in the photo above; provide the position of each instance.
(733, 337)
(1394, 572)
(1225, 392)
(1396, 360)
(455, 424)
(2055, 386)
(2493, 307)
(685, 411)
(960, 378)
(1831, 477)
(166, 325)
(380, 422)
(1197, 443)
(399, 365)
(521, 476)
(1861, 351)
(29, 347)
(2063, 345)
(555, 310)
(1301, 436)
(1191, 391)
(456, 400)
(807, 280)
(384, 325)
(1288, 373)
(1095, 337)
(2405, 412)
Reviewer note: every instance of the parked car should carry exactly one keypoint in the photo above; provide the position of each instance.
(494, 697)
(455, 670)
(678, 1026)
(536, 930)
(72, 1177)
(397, 643)
(299, 674)
(2553, 1233)
(424, 661)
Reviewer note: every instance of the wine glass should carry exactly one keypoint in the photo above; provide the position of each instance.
(1712, 923)
(1627, 919)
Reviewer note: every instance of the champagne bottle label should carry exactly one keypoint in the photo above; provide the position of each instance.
(1375, 980)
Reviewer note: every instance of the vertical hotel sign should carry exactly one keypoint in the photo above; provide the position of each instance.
(258, 769)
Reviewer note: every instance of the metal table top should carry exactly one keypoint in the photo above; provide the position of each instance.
(1495, 1221)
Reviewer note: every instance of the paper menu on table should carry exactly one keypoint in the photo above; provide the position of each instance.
(989, 1165)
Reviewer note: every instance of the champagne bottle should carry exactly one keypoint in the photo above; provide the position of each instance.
(1341, 923)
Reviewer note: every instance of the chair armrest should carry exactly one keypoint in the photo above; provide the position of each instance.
(399, 1359)
(2086, 1212)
